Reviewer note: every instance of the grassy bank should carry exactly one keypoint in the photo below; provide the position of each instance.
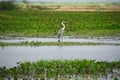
(47, 23)
(59, 69)
(36, 43)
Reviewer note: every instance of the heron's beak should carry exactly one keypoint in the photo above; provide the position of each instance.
(64, 22)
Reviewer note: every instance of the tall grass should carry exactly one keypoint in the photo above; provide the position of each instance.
(47, 23)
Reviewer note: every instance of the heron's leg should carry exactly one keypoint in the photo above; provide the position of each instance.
(58, 40)
(58, 37)
(61, 37)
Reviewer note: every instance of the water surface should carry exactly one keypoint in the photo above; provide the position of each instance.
(11, 54)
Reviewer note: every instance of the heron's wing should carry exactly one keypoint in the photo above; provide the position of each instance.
(59, 35)
(60, 31)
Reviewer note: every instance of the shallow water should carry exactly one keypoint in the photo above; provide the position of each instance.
(9, 55)
(66, 39)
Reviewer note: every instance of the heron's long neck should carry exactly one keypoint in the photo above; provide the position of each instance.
(63, 26)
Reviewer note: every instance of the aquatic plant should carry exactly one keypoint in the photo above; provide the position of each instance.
(59, 69)
(47, 24)
(37, 43)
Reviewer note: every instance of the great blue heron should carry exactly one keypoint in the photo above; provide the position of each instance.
(60, 32)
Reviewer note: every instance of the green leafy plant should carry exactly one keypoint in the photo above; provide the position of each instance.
(47, 24)
(63, 68)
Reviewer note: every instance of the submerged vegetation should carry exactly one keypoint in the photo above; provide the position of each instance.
(37, 43)
(47, 23)
(60, 69)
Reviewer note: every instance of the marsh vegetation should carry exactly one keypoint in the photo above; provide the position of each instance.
(47, 23)
(60, 69)
(24, 20)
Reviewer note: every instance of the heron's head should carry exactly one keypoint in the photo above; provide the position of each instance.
(63, 21)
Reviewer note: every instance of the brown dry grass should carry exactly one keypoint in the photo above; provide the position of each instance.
(84, 8)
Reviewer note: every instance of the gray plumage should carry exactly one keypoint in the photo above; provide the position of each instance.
(60, 32)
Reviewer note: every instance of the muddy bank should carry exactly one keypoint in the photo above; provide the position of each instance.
(114, 40)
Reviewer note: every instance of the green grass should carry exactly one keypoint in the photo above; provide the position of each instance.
(36, 43)
(65, 68)
(47, 23)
